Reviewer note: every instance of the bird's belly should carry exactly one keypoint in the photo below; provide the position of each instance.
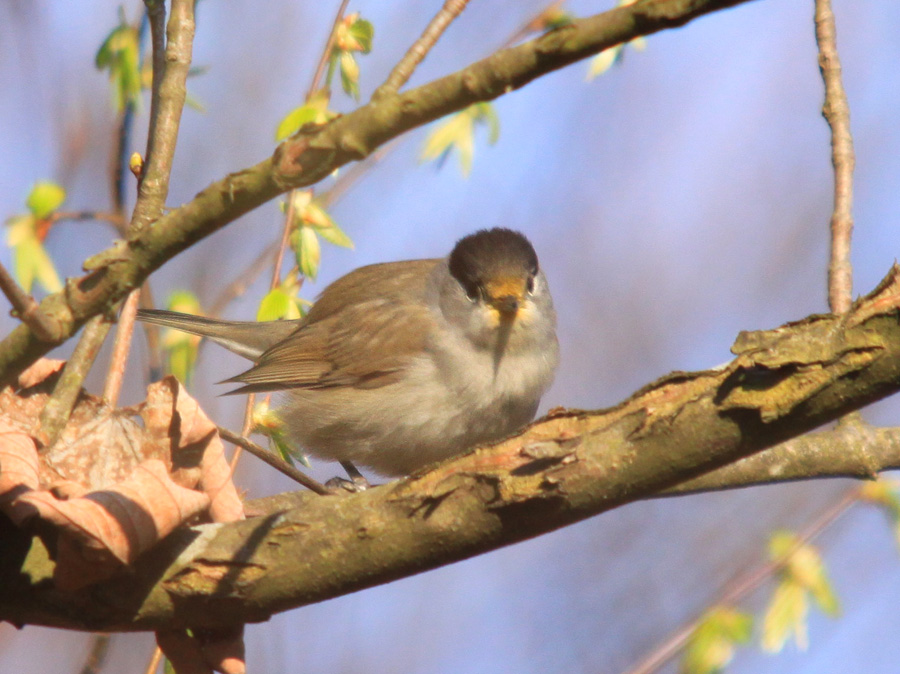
(424, 417)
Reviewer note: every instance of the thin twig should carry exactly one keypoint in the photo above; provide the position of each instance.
(169, 86)
(153, 663)
(156, 15)
(97, 656)
(121, 347)
(243, 280)
(26, 309)
(419, 50)
(117, 220)
(283, 244)
(326, 52)
(744, 585)
(836, 111)
(171, 62)
(56, 412)
(275, 461)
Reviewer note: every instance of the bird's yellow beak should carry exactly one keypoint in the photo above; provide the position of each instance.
(506, 295)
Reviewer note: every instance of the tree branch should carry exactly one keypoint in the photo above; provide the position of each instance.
(836, 111)
(563, 469)
(420, 48)
(311, 155)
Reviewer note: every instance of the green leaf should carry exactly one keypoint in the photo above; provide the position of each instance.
(269, 423)
(458, 134)
(804, 566)
(180, 347)
(295, 119)
(604, 61)
(336, 236)
(786, 617)
(311, 214)
(308, 251)
(613, 56)
(120, 54)
(712, 643)
(362, 31)
(44, 198)
(349, 74)
(274, 306)
(314, 111)
(803, 575)
(30, 259)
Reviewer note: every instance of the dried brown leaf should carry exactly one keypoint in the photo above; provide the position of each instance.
(112, 487)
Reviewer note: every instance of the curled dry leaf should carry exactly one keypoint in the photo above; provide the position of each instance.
(111, 487)
(174, 420)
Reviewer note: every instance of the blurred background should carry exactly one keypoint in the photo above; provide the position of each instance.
(679, 198)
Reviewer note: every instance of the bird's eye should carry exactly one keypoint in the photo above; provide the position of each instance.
(472, 291)
(529, 285)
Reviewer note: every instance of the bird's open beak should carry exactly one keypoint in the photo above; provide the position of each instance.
(506, 295)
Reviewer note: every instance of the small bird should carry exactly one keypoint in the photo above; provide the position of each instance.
(403, 364)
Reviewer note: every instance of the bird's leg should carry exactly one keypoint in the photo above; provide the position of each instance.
(356, 483)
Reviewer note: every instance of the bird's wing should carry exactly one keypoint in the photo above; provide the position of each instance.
(362, 336)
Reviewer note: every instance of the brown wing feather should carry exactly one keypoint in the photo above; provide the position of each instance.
(364, 329)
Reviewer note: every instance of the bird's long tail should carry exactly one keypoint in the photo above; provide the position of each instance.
(245, 338)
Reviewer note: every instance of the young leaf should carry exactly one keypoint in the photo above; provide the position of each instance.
(362, 32)
(314, 111)
(353, 35)
(307, 212)
(274, 306)
(711, 646)
(308, 251)
(335, 235)
(180, 347)
(612, 56)
(458, 134)
(44, 198)
(349, 74)
(30, 259)
(786, 616)
(802, 575)
(269, 423)
(883, 493)
(120, 54)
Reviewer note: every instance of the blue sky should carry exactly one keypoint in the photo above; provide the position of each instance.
(675, 201)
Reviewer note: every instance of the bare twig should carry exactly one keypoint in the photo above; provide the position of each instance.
(744, 585)
(170, 90)
(837, 113)
(420, 48)
(56, 412)
(117, 220)
(26, 309)
(239, 285)
(121, 347)
(97, 656)
(153, 663)
(171, 62)
(326, 52)
(275, 461)
(156, 15)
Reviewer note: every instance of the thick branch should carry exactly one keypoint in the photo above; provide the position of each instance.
(311, 155)
(562, 469)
